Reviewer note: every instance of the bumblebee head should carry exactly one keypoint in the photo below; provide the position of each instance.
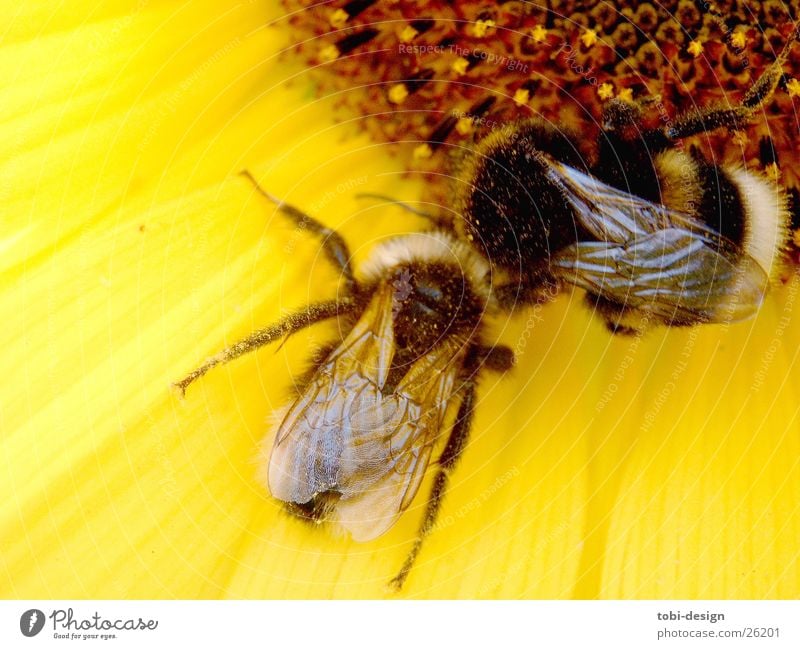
(439, 287)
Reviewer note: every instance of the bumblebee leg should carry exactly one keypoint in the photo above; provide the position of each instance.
(619, 114)
(450, 455)
(709, 119)
(535, 290)
(735, 117)
(438, 136)
(332, 242)
(285, 326)
(497, 359)
(619, 319)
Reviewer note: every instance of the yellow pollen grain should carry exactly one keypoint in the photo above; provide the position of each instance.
(329, 53)
(464, 125)
(338, 18)
(423, 151)
(796, 237)
(398, 93)
(695, 48)
(522, 96)
(793, 87)
(481, 27)
(408, 34)
(626, 94)
(773, 171)
(539, 33)
(738, 39)
(589, 37)
(740, 138)
(605, 91)
(460, 65)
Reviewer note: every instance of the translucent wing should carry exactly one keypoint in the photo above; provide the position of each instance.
(652, 258)
(344, 436)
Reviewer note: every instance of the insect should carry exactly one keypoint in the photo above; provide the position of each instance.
(353, 446)
(654, 233)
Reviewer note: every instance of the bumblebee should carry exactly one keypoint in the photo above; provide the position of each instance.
(371, 412)
(655, 233)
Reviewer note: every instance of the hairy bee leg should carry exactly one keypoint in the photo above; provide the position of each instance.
(765, 85)
(438, 136)
(709, 119)
(285, 326)
(514, 295)
(450, 455)
(736, 117)
(618, 114)
(499, 358)
(333, 244)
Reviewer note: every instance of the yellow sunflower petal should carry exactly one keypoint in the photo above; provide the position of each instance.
(132, 250)
(706, 503)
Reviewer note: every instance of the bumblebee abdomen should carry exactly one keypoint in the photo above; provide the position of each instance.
(766, 217)
(746, 208)
(722, 204)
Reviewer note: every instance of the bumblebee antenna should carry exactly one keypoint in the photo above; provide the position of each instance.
(333, 244)
(769, 80)
(739, 116)
(301, 218)
(402, 204)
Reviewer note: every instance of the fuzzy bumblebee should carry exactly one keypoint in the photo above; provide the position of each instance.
(654, 230)
(441, 75)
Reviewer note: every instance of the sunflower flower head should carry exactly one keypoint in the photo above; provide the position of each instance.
(658, 466)
(411, 67)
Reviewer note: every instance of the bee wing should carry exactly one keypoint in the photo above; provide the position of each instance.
(654, 258)
(344, 435)
(672, 273)
(609, 214)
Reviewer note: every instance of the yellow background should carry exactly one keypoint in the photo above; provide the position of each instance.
(130, 251)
